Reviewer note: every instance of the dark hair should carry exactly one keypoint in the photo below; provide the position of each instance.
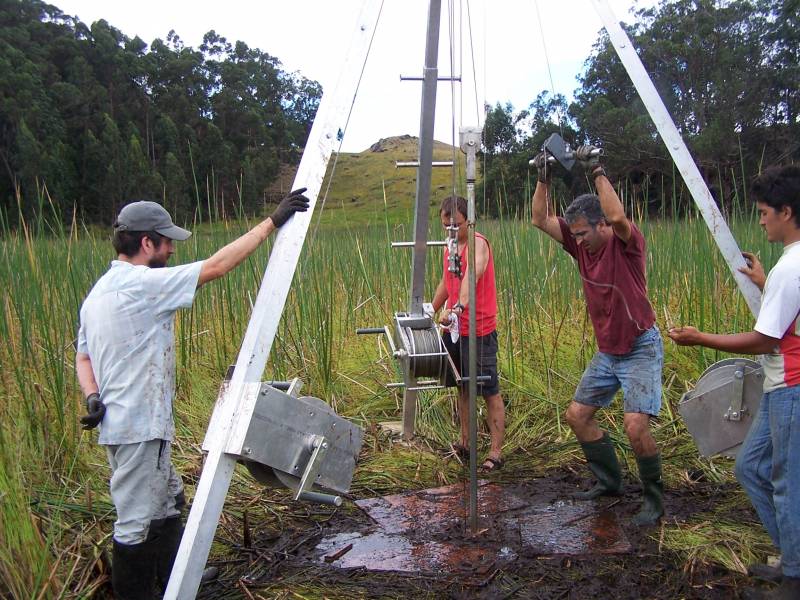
(585, 206)
(453, 202)
(128, 242)
(778, 187)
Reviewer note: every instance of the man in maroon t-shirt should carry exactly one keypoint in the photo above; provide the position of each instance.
(610, 252)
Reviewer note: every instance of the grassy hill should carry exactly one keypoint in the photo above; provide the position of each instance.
(372, 190)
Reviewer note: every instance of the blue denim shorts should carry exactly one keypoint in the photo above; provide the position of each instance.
(638, 373)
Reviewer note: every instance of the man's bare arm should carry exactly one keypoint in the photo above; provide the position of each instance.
(83, 369)
(542, 217)
(612, 208)
(227, 258)
(751, 342)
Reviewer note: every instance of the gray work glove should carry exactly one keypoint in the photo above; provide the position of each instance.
(584, 156)
(95, 409)
(294, 202)
(544, 167)
(590, 162)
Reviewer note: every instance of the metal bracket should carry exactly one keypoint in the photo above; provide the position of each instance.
(736, 410)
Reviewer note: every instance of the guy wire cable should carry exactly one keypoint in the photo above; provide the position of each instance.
(347, 122)
(549, 70)
(451, 52)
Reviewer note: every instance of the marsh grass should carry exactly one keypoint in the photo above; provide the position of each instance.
(55, 513)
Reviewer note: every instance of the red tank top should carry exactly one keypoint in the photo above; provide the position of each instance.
(485, 293)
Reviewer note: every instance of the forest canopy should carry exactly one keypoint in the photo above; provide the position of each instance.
(97, 118)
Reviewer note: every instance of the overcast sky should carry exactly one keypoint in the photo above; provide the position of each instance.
(509, 38)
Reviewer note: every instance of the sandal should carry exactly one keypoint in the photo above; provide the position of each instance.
(460, 451)
(495, 464)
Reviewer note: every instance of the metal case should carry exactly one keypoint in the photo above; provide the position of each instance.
(282, 434)
(719, 410)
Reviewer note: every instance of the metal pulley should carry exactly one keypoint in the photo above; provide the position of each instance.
(718, 412)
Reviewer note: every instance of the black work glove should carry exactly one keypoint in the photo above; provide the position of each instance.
(95, 409)
(294, 202)
(590, 162)
(545, 170)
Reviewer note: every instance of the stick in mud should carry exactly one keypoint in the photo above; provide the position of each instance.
(339, 554)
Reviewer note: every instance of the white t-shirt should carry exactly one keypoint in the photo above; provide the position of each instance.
(778, 318)
(127, 327)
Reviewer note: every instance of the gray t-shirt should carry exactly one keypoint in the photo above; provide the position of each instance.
(127, 327)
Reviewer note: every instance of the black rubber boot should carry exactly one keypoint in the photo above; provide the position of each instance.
(169, 540)
(169, 535)
(789, 589)
(652, 490)
(133, 571)
(602, 462)
(765, 573)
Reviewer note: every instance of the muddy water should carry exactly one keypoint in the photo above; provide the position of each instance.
(425, 531)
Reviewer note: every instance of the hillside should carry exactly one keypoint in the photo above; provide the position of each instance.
(372, 189)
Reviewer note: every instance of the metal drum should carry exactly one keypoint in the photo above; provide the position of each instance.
(719, 410)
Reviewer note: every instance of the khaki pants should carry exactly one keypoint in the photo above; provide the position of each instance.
(144, 486)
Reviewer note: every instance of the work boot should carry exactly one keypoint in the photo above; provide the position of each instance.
(765, 572)
(789, 589)
(168, 536)
(133, 571)
(602, 462)
(652, 490)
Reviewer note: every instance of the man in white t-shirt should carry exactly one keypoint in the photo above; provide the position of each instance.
(768, 464)
(125, 363)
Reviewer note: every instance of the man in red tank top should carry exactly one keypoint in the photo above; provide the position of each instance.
(610, 255)
(453, 293)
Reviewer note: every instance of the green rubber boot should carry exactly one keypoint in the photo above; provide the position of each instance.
(602, 461)
(652, 491)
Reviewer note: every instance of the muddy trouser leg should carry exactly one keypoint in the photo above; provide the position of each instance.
(140, 490)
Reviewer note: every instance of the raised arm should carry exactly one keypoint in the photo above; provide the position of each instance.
(610, 203)
(227, 258)
(543, 218)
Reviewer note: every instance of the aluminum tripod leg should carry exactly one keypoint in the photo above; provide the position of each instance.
(219, 465)
(680, 154)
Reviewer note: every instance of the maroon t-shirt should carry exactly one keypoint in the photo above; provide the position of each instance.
(615, 285)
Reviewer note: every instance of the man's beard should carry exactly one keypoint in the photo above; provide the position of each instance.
(156, 263)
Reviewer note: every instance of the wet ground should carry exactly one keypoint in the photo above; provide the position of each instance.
(533, 541)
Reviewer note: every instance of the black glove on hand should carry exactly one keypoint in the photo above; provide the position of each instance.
(545, 170)
(294, 202)
(589, 161)
(95, 409)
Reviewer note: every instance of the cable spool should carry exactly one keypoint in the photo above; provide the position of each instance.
(428, 343)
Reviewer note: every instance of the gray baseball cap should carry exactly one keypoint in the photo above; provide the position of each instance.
(149, 216)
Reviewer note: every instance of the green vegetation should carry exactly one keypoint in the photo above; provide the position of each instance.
(726, 71)
(97, 117)
(55, 515)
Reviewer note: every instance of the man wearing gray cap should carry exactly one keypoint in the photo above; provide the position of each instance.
(125, 363)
